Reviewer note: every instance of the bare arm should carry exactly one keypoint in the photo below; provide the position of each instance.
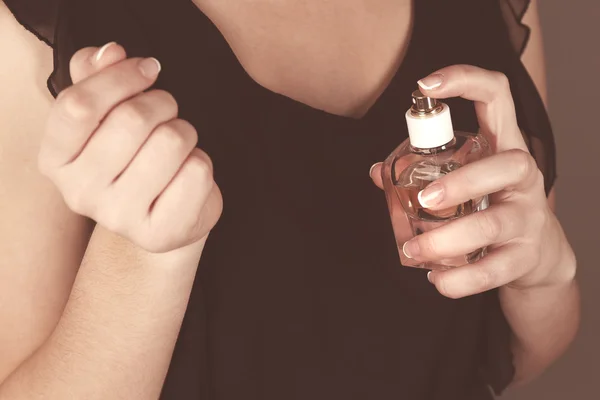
(41, 241)
(116, 336)
(72, 326)
(544, 320)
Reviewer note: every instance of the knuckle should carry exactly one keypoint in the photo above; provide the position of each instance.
(112, 219)
(538, 218)
(442, 287)
(205, 157)
(131, 114)
(502, 80)
(112, 215)
(428, 244)
(523, 163)
(189, 130)
(177, 135)
(74, 105)
(467, 178)
(490, 225)
(200, 167)
(570, 271)
(483, 279)
(445, 289)
(166, 99)
(195, 226)
(461, 72)
(172, 136)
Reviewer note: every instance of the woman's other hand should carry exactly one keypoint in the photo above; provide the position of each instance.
(526, 244)
(119, 155)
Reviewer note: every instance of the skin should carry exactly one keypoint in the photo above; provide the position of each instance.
(531, 260)
(107, 317)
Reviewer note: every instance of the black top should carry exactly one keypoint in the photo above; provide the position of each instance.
(300, 293)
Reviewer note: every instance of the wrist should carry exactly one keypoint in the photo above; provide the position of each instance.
(133, 258)
(560, 274)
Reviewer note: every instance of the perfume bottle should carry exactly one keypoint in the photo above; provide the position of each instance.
(432, 150)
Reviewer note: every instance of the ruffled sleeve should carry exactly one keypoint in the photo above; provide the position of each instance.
(69, 25)
(41, 19)
(513, 12)
(537, 129)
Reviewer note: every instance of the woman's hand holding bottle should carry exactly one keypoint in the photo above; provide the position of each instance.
(527, 246)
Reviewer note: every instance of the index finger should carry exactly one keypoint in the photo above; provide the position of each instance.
(490, 90)
(79, 109)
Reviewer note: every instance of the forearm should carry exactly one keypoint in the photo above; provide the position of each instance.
(117, 333)
(544, 322)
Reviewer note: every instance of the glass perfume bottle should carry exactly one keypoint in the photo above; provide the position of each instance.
(432, 150)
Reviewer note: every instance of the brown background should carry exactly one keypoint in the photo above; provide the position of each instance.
(572, 42)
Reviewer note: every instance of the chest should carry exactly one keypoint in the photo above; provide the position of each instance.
(336, 55)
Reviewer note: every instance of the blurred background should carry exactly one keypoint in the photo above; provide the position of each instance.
(571, 34)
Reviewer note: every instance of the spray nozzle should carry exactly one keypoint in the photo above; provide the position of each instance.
(423, 104)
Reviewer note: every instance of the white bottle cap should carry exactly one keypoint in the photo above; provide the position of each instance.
(429, 122)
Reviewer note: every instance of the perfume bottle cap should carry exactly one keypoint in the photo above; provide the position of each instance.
(424, 104)
(429, 122)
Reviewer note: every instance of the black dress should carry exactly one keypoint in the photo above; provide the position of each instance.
(300, 293)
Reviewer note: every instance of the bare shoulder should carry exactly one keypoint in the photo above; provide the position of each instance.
(41, 240)
(25, 59)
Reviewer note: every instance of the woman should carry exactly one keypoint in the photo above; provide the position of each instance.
(279, 108)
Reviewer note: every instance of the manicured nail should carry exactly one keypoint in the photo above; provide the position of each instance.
(431, 82)
(429, 277)
(431, 196)
(373, 167)
(150, 67)
(411, 249)
(101, 51)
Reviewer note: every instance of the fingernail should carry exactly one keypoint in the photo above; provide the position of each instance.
(372, 167)
(429, 277)
(98, 55)
(431, 196)
(411, 249)
(431, 82)
(150, 67)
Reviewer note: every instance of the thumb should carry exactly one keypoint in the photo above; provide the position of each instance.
(375, 174)
(89, 60)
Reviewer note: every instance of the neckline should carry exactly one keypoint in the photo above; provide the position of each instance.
(286, 101)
